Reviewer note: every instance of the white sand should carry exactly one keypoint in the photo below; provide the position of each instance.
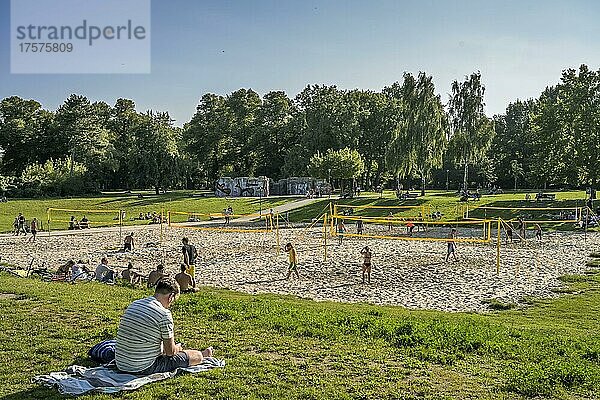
(411, 274)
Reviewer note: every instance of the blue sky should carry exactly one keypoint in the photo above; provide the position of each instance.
(219, 46)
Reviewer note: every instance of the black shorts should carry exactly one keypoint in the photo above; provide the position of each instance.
(128, 246)
(167, 364)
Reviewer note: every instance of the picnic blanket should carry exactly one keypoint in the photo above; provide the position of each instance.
(77, 380)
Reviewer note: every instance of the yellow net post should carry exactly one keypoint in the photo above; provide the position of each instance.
(48, 216)
(277, 232)
(498, 249)
(120, 226)
(325, 237)
(162, 217)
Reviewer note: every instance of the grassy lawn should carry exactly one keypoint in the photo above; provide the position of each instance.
(279, 347)
(449, 205)
(445, 202)
(174, 201)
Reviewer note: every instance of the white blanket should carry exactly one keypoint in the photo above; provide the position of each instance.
(77, 380)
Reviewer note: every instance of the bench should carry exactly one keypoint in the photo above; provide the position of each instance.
(545, 196)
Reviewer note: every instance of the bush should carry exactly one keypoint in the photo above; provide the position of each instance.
(54, 178)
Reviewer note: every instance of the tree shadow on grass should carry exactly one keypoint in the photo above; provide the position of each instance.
(35, 393)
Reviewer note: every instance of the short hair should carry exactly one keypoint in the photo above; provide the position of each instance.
(183, 267)
(160, 266)
(185, 240)
(167, 286)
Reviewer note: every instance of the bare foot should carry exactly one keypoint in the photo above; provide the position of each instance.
(208, 352)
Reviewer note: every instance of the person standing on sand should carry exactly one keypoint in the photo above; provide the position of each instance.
(509, 233)
(538, 232)
(190, 254)
(293, 259)
(129, 244)
(21, 225)
(451, 245)
(341, 228)
(33, 228)
(521, 228)
(366, 266)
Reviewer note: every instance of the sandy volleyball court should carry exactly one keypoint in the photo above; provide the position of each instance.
(411, 274)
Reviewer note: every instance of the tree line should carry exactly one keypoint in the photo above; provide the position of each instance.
(404, 134)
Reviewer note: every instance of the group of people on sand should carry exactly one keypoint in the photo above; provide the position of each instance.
(521, 231)
(19, 226)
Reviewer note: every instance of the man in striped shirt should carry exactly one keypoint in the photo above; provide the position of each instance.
(145, 338)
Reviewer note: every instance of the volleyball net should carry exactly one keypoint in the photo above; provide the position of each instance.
(73, 219)
(539, 215)
(401, 212)
(223, 221)
(474, 231)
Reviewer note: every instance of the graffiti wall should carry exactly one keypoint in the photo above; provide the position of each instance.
(242, 187)
(302, 186)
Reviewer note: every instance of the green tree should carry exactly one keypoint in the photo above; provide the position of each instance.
(418, 143)
(472, 131)
(25, 135)
(206, 136)
(579, 118)
(274, 135)
(343, 165)
(155, 151)
(516, 171)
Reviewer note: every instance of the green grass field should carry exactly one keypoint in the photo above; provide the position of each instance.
(445, 202)
(175, 201)
(288, 348)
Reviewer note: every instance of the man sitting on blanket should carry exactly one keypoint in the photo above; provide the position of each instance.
(145, 338)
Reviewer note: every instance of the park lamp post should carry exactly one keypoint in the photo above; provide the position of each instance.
(447, 179)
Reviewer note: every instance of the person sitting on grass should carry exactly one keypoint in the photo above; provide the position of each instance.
(156, 275)
(185, 281)
(104, 274)
(146, 339)
(130, 276)
(293, 259)
(65, 269)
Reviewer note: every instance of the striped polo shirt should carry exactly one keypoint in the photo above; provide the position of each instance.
(141, 331)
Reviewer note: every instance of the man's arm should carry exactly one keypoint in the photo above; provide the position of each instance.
(170, 348)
